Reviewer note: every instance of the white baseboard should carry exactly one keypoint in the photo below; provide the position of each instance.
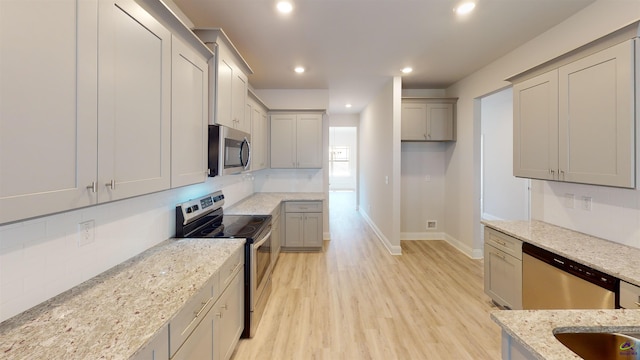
(464, 248)
(397, 250)
(394, 250)
(422, 236)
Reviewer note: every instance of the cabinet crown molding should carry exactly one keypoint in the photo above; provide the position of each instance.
(625, 33)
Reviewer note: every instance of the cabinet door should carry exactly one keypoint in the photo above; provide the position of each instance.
(258, 137)
(309, 141)
(535, 127)
(189, 74)
(502, 277)
(231, 310)
(199, 345)
(293, 230)
(224, 86)
(439, 122)
(157, 349)
(597, 118)
(48, 121)
(283, 141)
(413, 121)
(239, 101)
(312, 230)
(134, 102)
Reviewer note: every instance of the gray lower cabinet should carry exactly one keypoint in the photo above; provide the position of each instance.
(503, 269)
(158, 347)
(211, 322)
(303, 225)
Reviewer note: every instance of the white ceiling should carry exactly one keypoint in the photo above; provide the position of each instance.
(353, 47)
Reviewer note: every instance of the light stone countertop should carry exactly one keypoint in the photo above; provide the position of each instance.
(619, 260)
(114, 314)
(265, 203)
(534, 329)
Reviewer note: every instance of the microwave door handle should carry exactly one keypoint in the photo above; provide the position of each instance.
(245, 142)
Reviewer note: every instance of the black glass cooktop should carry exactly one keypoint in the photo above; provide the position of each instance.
(233, 226)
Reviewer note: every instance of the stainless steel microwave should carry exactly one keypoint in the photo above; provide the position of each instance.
(229, 150)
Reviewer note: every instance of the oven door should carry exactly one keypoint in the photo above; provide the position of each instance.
(260, 267)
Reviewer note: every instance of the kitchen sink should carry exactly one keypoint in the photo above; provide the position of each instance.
(602, 345)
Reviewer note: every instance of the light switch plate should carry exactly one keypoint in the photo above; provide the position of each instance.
(569, 200)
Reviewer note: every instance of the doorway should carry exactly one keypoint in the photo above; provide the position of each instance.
(502, 195)
(343, 173)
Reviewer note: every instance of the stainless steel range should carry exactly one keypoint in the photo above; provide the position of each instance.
(204, 218)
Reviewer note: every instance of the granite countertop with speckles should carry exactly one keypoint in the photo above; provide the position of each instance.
(265, 203)
(609, 257)
(116, 313)
(534, 329)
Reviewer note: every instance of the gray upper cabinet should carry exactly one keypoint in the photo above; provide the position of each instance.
(428, 119)
(576, 122)
(256, 115)
(189, 110)
(92, 123)
(228, 80)
(48, 123)
(535, 127)
(134, 102)
(296, 141)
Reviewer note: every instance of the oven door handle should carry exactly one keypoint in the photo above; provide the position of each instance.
(262, 241)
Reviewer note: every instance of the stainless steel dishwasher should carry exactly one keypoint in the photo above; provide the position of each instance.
(550, 281)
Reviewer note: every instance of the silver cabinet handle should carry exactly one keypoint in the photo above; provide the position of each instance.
(93, 187)
(111, 184)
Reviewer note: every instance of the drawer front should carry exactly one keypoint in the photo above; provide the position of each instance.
(191, 314)
(303, 206)
(506, 243)
(230, 267)
(629, 295)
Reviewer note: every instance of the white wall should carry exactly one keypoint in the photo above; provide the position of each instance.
(379, 148)
(422, 192)
(462, 175)
(40, 258)
(294, 99)
(504, 196)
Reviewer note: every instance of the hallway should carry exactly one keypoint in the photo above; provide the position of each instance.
(356, 301)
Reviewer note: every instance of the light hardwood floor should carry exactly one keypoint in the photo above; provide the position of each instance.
(356, 301)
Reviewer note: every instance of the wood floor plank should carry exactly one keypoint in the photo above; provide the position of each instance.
(356, 301)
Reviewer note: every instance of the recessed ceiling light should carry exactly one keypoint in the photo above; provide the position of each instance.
(348, 106)
(465, 7)
(299, 69)
(284, 6)
(407, 70)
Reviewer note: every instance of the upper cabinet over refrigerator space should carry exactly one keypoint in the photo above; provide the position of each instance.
(228, 83)
(574, 117)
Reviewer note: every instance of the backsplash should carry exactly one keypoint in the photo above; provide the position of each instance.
(289, 180)
(42, 257)
(611, 213)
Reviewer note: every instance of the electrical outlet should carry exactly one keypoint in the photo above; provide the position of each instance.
(427, 178)
(86, 232)
(432, 224)
(569, 201)
(586, 203)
